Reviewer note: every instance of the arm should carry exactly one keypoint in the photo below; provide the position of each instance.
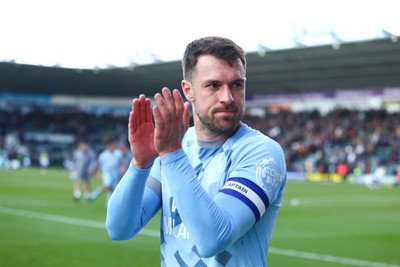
(132, 204)
(216, 223)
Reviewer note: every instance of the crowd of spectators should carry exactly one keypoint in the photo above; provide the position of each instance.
(341, 141)
(26, 133)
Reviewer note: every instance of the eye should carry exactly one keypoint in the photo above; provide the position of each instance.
(213, 85)
(238, 84)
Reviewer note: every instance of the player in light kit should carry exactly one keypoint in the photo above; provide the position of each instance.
(219, 184)
(109, 162)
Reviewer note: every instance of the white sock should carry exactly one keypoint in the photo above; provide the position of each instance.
(77, 194)
(86, 195)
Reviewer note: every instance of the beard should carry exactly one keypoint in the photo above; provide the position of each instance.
(218, 125)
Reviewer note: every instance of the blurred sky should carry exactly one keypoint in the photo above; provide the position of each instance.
(104, 33)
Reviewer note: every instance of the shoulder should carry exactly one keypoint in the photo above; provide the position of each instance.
(118, 153)
(248, 140)
(104, 154)
(258, 158)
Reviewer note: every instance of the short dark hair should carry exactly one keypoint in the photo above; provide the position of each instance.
(219, 47)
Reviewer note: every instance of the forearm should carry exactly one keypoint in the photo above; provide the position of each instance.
(127, 212)
(210, 226)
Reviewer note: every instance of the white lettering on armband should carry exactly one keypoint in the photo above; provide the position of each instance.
(250, 197)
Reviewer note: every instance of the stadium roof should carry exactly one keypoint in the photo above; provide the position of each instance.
(357, 65)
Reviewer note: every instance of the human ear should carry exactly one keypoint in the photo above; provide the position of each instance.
(187, 90)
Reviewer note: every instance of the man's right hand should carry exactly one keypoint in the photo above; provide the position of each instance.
(141, 133)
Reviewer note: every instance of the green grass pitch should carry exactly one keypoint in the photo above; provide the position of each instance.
(319, 224)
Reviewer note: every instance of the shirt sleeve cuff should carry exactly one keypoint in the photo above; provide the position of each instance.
(171, 157)
(133, 170)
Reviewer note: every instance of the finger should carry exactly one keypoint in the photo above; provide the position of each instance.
(148, 117)
(162, 109)
(178, 103)
(169, 100)
(133, 116)
(131, 124)
(158, 121)
(142, 108)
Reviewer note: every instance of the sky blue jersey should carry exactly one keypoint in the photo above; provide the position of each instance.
(219, 200)
(109, 164)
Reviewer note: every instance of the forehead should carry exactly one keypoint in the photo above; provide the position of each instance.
(211, 66)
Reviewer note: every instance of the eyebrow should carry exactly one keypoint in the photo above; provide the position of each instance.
(218, 81)
(240, 80)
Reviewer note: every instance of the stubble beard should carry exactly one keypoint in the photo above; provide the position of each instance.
(217, 126)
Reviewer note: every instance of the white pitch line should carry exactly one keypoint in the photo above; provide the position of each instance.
(154, 233)
(328, 258)
(67, 220)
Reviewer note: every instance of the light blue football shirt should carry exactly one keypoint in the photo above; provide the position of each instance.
(244, 178)
(109, 163)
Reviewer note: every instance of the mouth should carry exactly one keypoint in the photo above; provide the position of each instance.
(226, 112)
(231, 109)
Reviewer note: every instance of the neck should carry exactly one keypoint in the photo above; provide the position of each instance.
(204, 134)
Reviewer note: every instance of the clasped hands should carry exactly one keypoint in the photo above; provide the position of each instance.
(149, 140)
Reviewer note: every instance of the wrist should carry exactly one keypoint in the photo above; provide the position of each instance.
(142, 164)
(172, 156)
(165, 153)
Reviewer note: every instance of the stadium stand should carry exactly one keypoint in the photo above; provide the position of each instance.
(356, 65)
(313, 142)
(50, 109)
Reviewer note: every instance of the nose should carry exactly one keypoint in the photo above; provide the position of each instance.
(226, 95)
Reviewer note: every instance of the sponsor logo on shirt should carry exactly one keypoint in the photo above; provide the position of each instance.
(173, 225)
(267, 176)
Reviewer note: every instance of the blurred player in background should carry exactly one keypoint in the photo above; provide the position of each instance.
(126, 158)
(44, 161)
(109, 162)
(83, 167)
(219, 184)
